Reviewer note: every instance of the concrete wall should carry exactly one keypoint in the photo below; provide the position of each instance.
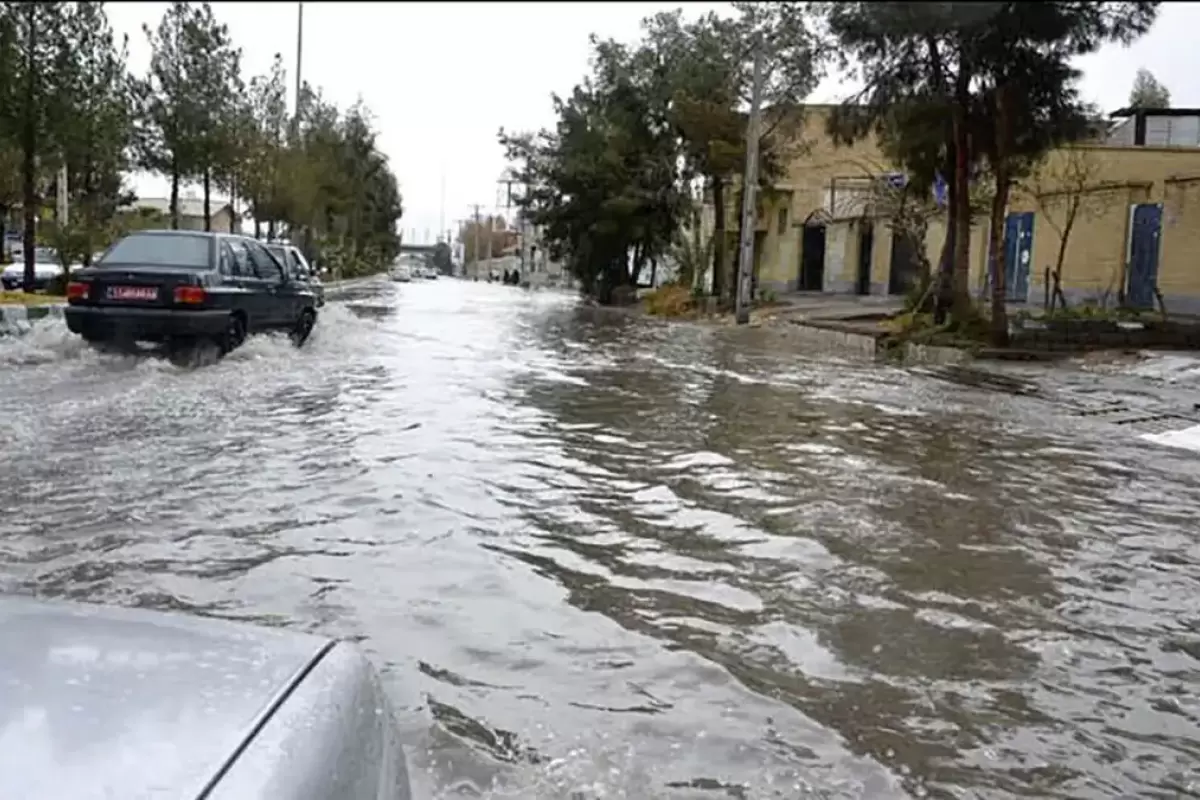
(219, 221)
(798, 197)
(1110, 181)
(1095, 261)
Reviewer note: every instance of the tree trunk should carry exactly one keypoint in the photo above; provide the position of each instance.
(174, 196)
(734, 266)
(270, 230)
(997, 258)
(961, 284)
(207, 196)
(233, 206)
(999, 207)
(29, 162)
(257, 227)
(944, 291)
(718, 265)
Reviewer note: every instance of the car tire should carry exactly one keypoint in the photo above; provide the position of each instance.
(304, 326)
(234, 334)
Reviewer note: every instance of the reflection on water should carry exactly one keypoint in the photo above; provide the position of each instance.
(602, 557)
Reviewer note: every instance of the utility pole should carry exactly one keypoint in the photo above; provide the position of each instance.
(749, 193)
(491, 223)
(475, 250)
(442, 201)
(299, 51)
(507, 182)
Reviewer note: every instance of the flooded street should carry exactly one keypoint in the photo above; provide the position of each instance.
(603, 557)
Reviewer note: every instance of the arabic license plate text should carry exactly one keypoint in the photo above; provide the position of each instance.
(133, 293)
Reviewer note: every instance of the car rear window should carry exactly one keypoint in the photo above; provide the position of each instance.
(161, 251)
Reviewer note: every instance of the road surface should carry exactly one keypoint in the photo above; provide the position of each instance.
(600, 555)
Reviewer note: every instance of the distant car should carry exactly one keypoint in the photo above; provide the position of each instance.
(298, 268)
(46, 267)
(400, 273)
(104, 702)
(183, 288)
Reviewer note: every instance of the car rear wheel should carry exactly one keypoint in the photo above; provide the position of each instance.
(234, 334)
(304, 326)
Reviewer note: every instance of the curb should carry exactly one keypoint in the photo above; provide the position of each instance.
(336, 287)
(18, 319)
(869, 347)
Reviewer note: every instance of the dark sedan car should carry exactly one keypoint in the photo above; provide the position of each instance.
(297, 267)
(181, 288)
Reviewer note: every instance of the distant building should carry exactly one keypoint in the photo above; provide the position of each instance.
(823, 226)
(1155, 127)
(191, 213)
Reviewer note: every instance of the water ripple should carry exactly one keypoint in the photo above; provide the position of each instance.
(601, 557)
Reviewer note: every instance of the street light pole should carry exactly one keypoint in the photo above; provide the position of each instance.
(749, 192)
(299, 52)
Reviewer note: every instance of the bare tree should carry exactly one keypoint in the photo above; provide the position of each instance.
(1066, 191)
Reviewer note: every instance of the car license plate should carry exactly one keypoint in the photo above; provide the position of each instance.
(133, 293)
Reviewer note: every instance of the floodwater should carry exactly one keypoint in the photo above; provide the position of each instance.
(603, 557)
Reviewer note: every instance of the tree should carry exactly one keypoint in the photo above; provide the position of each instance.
(917, 100)
(1147, 93)
(68, 105)
(266, 146)
(337, 186)
(1067, 189)
(604, 185)
(610, 185)
(705, 70)
(1029, 91)
(10, 150)
(960, 84)
(213, 69)
(169, 141)
(94, 137)
(442, 260)
(39, 102)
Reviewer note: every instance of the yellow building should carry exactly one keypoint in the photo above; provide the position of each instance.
(1136, 224)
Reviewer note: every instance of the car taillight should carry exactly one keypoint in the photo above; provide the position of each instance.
(190, 295)
(77, 290)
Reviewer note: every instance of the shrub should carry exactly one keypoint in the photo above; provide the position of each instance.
(671, 300)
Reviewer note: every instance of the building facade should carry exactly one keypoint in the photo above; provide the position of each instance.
(1134, 212)
(191, 213)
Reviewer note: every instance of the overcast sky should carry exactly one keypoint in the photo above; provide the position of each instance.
(442, 78)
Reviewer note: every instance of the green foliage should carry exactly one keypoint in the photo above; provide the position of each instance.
(1148, 93)
(951, 87)
(442, 258)
(610, 186)
(68, 102)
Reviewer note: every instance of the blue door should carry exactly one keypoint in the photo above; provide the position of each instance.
(1018, 255)
(1143, 255)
